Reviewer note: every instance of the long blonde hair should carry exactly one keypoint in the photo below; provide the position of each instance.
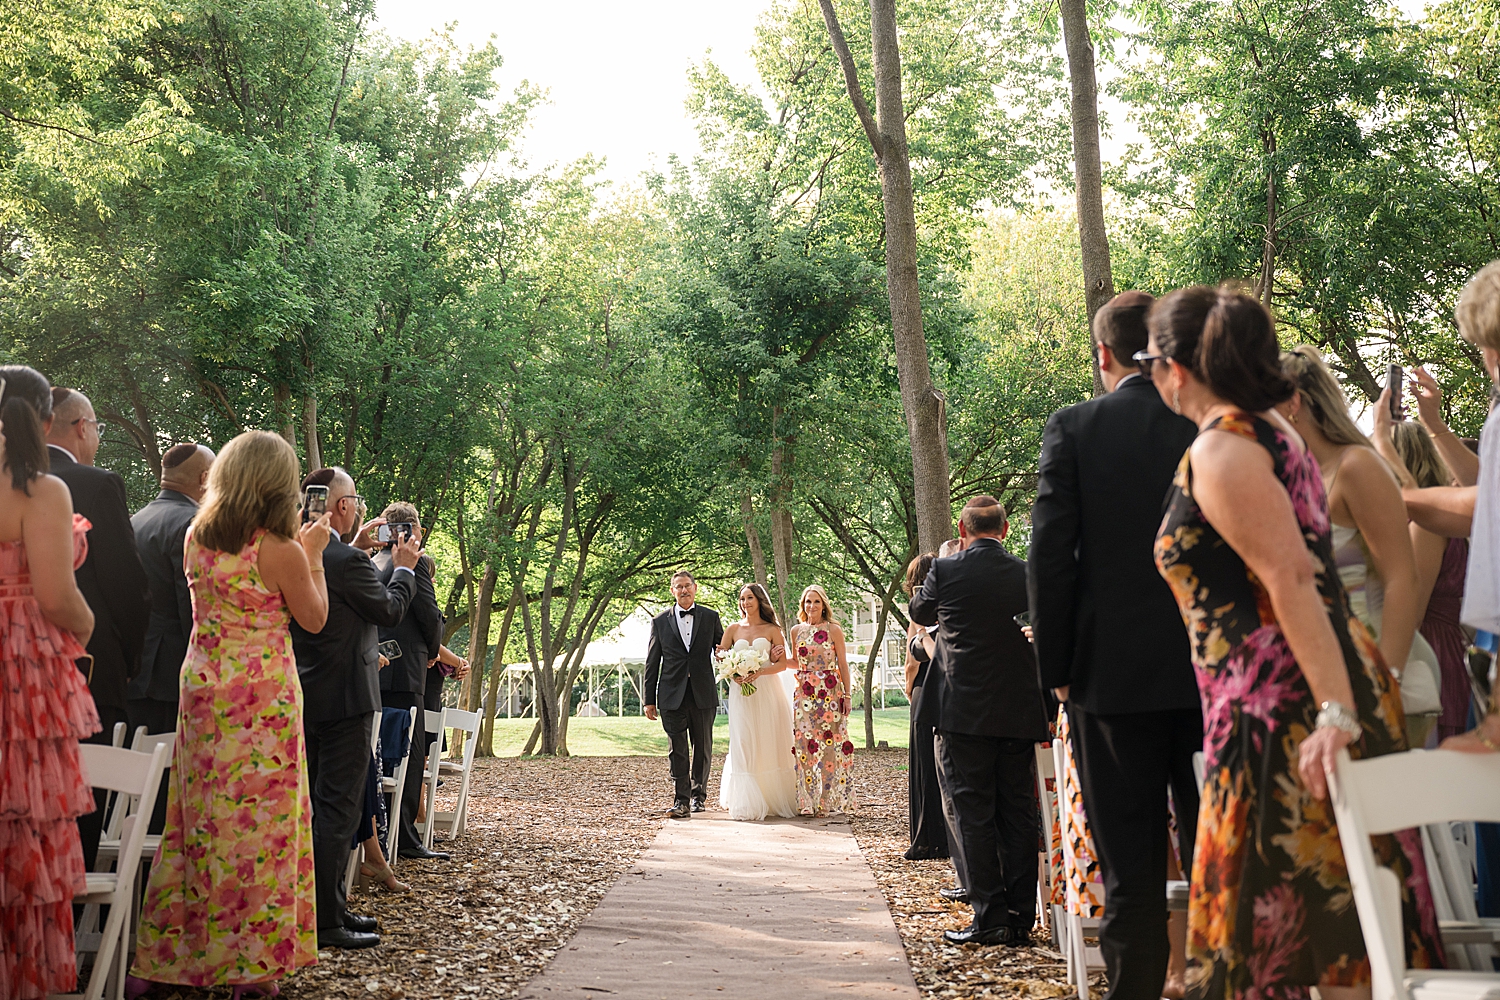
(1416, 448)
(814, 588)
(1325, 400)
(252, 484)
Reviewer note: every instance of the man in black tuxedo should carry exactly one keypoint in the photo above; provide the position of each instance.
(680, 685)
(1110, 641)
(339, 668)
(990, 718)
(160, 528)
(111, 577)
(403, 684)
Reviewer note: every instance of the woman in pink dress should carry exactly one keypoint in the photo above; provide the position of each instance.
(45, 706)
(230, 901)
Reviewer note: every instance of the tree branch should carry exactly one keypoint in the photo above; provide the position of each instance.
(851, 78)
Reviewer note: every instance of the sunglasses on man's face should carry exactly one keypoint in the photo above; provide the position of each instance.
(1147, 361)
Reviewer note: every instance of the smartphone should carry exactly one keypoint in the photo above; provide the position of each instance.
(1395, 380)
(314, 503)
(390, 649)
(1023, 619)
(391, 532)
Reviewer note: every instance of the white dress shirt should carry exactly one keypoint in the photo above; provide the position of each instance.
(684, 624)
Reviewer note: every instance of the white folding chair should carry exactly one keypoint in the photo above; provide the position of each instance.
(109, 841)
(1470, 939)
(1200, 768)
(1400, 791)
(1081, 956)
(119, 734)
(1046, 770)
(438, 723)
(138, 776)
(394, 784)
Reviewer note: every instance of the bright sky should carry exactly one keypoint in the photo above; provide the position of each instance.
(616, 71)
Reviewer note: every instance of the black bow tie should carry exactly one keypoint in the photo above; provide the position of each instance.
(686, 612)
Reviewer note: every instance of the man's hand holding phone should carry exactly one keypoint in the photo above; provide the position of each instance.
(365, 538)
(406, 552)
(314, 536)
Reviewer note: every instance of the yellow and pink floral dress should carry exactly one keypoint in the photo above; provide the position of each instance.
(45, 708)
(231, 896)
(820, 726)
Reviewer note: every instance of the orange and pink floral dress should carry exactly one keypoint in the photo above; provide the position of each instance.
(231, 897)
(45, 708)
(820, 726)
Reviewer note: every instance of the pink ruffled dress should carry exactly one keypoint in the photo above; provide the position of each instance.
(45, 708)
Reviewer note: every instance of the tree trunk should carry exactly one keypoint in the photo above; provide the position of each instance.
(479, 631)
(885, 611)
(282, 399)
(887, 136)
(1267, 282)
(752, 537)
(781, 522)
(310, 431)
(1093, 238)
(497, 667)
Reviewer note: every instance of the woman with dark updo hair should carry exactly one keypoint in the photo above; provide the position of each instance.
(45, 705)
(1288, 677)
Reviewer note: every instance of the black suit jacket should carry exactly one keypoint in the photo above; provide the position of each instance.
(1104, 621)
(419, 633)
(160, 527)
(340, 666)
(988, 674)
(111, 577)
(669, 663)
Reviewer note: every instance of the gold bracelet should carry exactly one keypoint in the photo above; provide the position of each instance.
(315, 569)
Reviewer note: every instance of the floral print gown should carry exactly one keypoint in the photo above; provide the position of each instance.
(231, 899)
(820, 726)
(1271, 911)
(45, 708)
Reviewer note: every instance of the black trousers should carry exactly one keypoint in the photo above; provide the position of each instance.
(1126, 763)
(91, 825)
(685, 725)
(990, 797)
(411, 792)
(929, 833)
(338, 763)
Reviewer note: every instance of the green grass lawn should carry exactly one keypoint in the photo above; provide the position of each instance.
(637, 736)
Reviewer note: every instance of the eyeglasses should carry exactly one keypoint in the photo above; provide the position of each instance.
(99, 425)
(1147, 360)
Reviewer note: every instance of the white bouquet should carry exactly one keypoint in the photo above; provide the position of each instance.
(741, 660)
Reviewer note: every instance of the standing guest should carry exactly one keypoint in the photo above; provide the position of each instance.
(1289, 677)
(820, 709)
(680, 684)
(1441, 563)
(929, 837)
(339, 668)
(989, 719)
(230, 899)
(403, 685)
(1108, 642)
(111, 577)
(45, 708)
(160, 528)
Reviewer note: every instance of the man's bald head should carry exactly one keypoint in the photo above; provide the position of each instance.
(73, 425)
(184, 468)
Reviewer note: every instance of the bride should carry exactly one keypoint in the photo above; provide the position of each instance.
(759, 777)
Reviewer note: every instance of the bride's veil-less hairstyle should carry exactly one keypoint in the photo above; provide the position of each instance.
(763, 603)
(252, 484)
(815, 588)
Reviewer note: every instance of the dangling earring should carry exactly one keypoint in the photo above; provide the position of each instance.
(1176, 403)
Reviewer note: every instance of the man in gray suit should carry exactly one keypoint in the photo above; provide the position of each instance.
(160, 528)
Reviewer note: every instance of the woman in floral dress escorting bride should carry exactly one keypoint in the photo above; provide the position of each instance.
(759, 779)
(820, 710)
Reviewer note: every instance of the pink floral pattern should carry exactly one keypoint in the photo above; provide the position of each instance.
(45, 708)
(231, 894)
(820, 727)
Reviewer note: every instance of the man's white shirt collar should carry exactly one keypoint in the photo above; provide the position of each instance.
(1127, 378)
(65, 451)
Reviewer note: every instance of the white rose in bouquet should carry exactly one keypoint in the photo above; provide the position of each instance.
(743, 659)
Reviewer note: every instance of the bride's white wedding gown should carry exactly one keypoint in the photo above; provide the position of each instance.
(760, 773)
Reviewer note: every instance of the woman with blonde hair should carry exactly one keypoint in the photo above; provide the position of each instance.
(820, 709)
(231, 901)
(1372, 545)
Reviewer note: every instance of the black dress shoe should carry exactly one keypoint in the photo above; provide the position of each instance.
(680, 810)
(925, 854)
(973, 935)
(343, 937)
(359, 922)
(420, 853)
(697, 805)
(959, 895)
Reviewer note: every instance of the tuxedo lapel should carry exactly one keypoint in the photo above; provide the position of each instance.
(676, 630)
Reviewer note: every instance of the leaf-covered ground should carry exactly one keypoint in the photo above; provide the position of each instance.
(546, 840)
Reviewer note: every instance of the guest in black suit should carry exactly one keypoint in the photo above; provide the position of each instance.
(339, 668)
(111, 577)
(925, 822)
(680, 684)
(990, 718)
(403, 684)
(1109, 638)
(160, 526)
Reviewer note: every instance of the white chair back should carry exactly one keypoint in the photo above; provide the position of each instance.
(398, 783)
(1400, 791)
(1046, 771)
(439, 723)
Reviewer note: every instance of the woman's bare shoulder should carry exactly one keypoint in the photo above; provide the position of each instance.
(47, 492)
